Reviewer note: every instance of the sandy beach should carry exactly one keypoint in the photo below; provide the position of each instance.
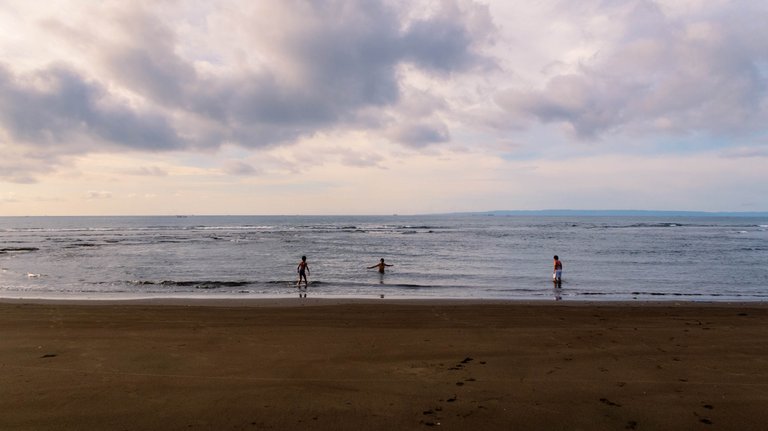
(382, 365)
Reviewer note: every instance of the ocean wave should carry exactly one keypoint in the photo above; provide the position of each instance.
(82, 244)
(205, 284)
(655, 225)
(362, 284)
(697, 294)
(233, 227)
(197, 284)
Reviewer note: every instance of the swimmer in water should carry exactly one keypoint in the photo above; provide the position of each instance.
(381, 265)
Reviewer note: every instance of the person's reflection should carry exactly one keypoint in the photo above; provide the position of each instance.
(558, 289)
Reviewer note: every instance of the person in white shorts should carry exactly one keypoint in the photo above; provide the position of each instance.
(557, 274)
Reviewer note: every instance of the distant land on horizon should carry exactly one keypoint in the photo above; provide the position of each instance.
(619, 213)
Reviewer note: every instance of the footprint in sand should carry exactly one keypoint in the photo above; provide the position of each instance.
(609, 402)
(432, 413)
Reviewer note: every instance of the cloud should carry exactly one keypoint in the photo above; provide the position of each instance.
(23, 167)
(166, 95)
(147, 171)
(697, 73)
(9, 198)
(445, 41)
(96, 195)
(56, 107)
(166, 77)
(14, 173)
(146, 61)
(237, 167)
(360, 160)
(419, 134)
(308, 67)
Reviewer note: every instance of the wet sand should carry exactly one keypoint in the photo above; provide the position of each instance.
(391, 365)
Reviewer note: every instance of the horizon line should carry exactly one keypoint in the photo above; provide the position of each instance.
(542, 212)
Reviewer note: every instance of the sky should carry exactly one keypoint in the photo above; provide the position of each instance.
(381, 106)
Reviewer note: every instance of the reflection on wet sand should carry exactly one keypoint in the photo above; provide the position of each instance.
(558, 289)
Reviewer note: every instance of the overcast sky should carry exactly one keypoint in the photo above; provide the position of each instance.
(381, 107)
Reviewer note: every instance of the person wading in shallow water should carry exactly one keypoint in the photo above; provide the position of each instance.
(557, 271)
(381, 265)
(303, 270)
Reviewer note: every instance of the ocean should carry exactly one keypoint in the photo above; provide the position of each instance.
(449, 256)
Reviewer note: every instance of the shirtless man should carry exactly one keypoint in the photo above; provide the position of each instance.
(381, 265)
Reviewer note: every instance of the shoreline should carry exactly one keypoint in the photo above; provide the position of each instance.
(285, 301)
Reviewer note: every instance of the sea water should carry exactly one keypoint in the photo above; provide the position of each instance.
(452, 256)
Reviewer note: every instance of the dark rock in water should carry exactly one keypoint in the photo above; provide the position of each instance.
(18, 249)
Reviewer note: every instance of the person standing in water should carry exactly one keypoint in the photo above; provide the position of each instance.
(381, 265)
(303, 270)
(557, 273)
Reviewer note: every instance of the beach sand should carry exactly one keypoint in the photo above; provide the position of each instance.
(382, 365)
